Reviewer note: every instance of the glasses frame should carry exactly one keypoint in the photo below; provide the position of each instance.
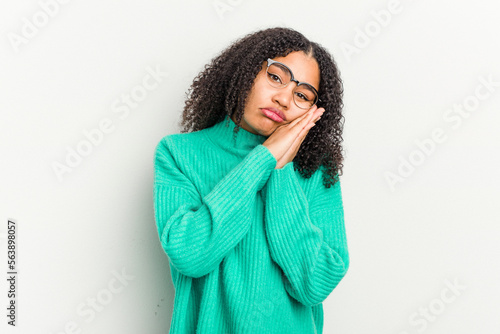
(270, 62)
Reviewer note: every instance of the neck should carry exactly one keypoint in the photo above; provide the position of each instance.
(222, 135)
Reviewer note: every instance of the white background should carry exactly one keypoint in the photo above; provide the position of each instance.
(438, 223)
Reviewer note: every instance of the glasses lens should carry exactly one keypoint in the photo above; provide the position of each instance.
(278, 75)
(305, 96)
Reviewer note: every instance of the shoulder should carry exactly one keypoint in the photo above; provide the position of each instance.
(182, 143)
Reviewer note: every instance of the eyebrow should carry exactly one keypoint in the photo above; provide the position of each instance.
(298, 79)
(309, 85)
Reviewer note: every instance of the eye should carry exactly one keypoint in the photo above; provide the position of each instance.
(302, 96)
(274, 77)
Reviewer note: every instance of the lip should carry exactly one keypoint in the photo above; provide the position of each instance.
(277, 112)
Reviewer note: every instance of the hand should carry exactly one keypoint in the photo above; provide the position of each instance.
(292, 151)
(285, 141)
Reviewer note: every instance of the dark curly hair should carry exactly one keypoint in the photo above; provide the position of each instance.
(222, 88)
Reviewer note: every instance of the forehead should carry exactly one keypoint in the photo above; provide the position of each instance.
(304, 68)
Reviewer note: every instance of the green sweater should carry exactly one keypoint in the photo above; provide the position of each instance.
(251, 248)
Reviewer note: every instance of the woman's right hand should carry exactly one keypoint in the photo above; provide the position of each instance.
(280, 141)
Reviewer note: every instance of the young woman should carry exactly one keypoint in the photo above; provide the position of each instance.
(247, 198)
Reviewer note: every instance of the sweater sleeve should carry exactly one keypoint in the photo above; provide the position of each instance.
(306, 235)
(197, 232)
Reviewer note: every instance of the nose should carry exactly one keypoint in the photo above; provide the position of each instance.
(284, 95)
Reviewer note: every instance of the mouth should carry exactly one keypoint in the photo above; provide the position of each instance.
(274, 114)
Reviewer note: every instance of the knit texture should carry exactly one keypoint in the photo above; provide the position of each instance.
(251, 248)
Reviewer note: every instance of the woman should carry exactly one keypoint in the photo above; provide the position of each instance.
(247, 198)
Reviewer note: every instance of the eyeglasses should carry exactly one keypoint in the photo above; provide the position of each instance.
(279, 75)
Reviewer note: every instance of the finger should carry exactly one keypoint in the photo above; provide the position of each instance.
(308, 127)
(308, 120)
(306, 115)
(318, 113)
(303, 133)
(304, 122)
(299, 138)
(294, 148)
(292, 152)
(302, 136)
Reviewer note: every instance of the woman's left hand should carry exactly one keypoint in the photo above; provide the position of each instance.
(292, 151)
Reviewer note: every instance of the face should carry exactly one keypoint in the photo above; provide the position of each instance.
(262, 95)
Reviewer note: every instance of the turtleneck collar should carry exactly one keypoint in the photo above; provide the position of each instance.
(222, 135)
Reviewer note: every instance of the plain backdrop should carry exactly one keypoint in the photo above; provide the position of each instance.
(421, 172)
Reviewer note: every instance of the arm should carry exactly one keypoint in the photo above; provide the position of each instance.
(306, 235)
(196, 233)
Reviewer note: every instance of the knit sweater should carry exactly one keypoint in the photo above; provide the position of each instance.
(251, 248)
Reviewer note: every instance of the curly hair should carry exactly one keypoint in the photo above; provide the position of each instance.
(223, 86)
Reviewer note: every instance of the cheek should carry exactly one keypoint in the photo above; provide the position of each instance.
(298, 113)
(261, 89)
